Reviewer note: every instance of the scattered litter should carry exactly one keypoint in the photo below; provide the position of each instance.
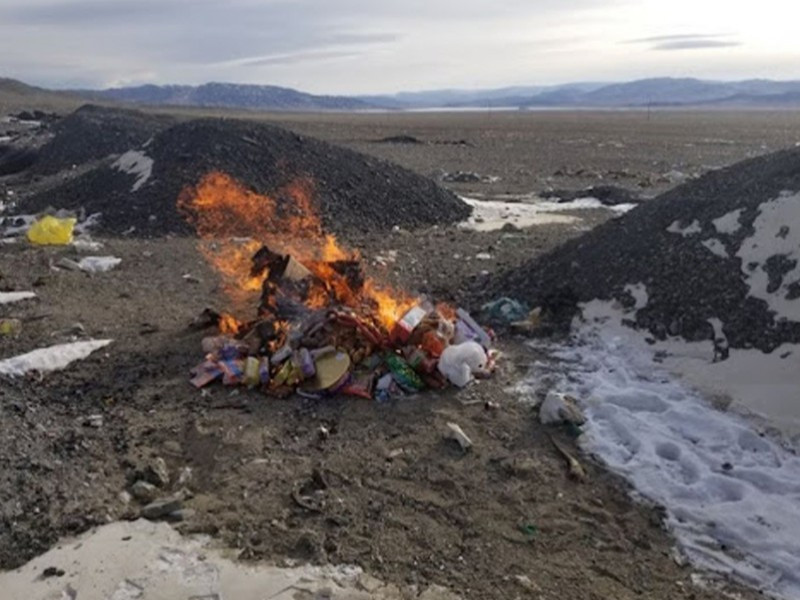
(454, 432)
(559, 408)
(323, 328)
(461, 362)
(12, 297)
(576, 470)
(10, 327)
(53, 358)
(530, 323)
(98, 264)
(53, 231)
(505, 310)
(88, 245)
(67, 264)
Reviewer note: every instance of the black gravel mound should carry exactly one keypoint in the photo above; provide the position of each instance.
(16, 159)
(354, 192)
(687, 282)
(95, 132)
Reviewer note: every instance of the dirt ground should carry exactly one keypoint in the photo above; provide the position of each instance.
(379, 486)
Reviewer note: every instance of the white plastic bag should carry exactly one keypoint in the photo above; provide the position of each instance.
(459, 363)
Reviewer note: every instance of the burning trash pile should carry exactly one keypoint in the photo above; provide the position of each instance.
(323, 326)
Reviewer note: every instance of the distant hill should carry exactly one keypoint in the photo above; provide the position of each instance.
(665, 91)
(458, 98)
(227, 95)
(16, 96)
(655, 92)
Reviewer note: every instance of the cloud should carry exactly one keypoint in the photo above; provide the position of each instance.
(290, 59)
(368, 46)
(695, 44)
(687, 41)
(677, 37)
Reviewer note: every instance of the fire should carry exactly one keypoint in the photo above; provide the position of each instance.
(234, 222)
(228, 324)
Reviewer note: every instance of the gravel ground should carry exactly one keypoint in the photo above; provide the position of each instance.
(503, 521)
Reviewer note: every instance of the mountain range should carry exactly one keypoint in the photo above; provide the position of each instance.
(656, 92)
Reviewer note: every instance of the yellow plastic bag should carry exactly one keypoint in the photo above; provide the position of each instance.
(52, 231)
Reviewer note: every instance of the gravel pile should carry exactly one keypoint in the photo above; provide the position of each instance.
(714, 258)
(139, 188)
(95, 132)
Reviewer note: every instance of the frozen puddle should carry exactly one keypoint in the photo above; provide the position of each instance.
(732, 496)
(489, 215)
(140, 559)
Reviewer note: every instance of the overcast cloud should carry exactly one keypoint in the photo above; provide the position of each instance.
(366, 46)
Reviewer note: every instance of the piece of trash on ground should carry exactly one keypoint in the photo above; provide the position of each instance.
(11, 297)
(52, 358)
(52, 231)
(505, 310)
(10, 327)
(559, 408)
(576, 470)
(98, 264)
(324, 328)
(454, 432)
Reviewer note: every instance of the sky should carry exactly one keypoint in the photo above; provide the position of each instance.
(383, 46)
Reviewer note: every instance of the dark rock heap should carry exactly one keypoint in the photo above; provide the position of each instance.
(688, 247)
(158, 158)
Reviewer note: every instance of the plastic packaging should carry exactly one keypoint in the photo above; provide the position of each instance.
(10, 327)
(52, 231)
(459, 363)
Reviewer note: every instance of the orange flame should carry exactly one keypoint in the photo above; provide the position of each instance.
(233, 223)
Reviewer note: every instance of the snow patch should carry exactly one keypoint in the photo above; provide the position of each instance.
(489, 215)
(728, 223)
(732, 496)
(693, 228)
(53, 358)
(589, 202)
(776, 237)
(141, 559)
(135, 163)
(639, 293)
(716, 247)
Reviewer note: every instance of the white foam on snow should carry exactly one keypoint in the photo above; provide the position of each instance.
(732, 495)
(53, 358)
(776, 234)
(135, 163)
